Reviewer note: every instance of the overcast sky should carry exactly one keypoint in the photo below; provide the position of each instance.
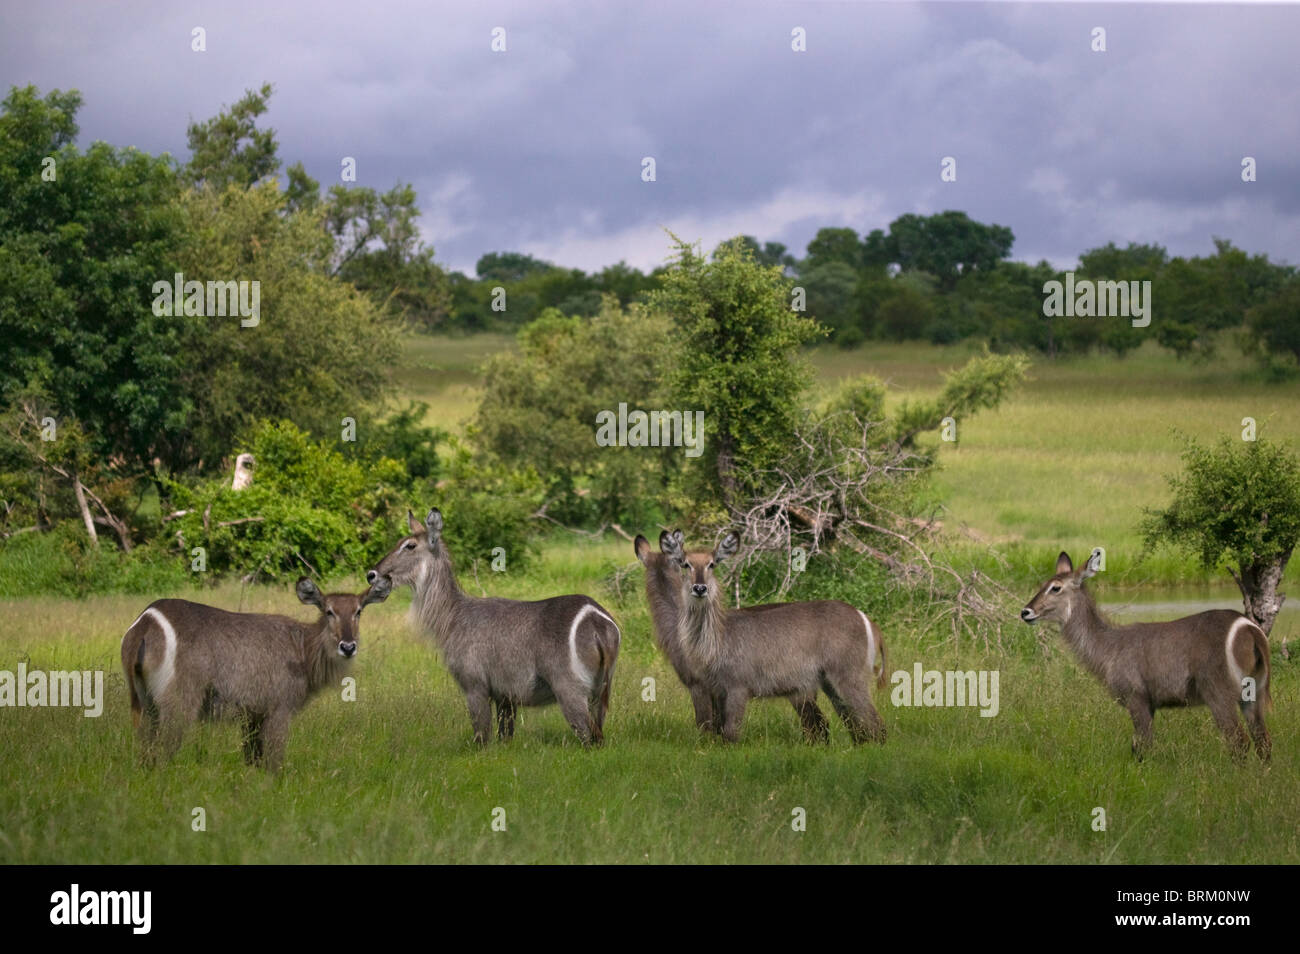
(539, 148)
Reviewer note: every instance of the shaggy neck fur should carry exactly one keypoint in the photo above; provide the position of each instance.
(701, 625)
(436, 594)
(320, 658)
(1087, 632)
(661, 592)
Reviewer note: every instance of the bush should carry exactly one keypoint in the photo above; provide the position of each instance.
(308, 509)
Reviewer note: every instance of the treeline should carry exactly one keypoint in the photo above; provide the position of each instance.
(945, 278)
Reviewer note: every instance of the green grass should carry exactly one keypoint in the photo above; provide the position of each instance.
(1069, 461)
(393, 777)
(443, 371)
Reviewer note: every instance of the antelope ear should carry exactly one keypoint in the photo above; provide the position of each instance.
(727, 548)
(309, 594)
(412, 524)
(1094, 564)
(641, 546)
(1063, 564)
(671, 544)
(433, 523)
(378, 591)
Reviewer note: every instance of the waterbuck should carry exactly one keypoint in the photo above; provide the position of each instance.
(663, 590)
(1218, 658)
(186, 661)
(780, 649)
(507, 652)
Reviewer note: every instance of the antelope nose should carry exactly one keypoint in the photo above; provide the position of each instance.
(371, 576)
(699, 589)
(1026, 613)
(348, 649)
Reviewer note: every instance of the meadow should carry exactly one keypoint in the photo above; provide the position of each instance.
(1068, 462)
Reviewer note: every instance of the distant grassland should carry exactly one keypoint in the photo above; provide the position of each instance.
(393, 777)
(1068, 462)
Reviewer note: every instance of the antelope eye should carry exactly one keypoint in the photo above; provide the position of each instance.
(408, 545)
(1054, 588)
(710, 566)
(329, 612)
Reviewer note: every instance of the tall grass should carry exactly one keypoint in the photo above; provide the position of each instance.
(393, 776)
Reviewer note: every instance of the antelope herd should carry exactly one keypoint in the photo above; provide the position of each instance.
(185, 661)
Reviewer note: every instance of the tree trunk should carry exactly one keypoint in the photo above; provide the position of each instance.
(1258, 584)
(79, 492)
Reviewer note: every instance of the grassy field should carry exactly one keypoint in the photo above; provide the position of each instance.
(393, 777)
(1069, 461)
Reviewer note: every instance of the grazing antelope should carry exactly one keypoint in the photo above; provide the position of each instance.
(663, 590)
(781, 649)
(186, 661)
(1205, 659)
(507, 652)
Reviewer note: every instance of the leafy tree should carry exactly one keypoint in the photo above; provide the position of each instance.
(1236, 504)
(1273, 326)
(947, 245)
(78, 257)
(627, 283)
(379, 250)
(229, 149)
(908, 308)
(509, 266)
(736, 360)
(540, 405)
(832, 300)
(320, 352)
(834, 245)
(769, 253)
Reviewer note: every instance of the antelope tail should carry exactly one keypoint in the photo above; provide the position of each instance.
(1261, 659)
(133, 670)
(882, 677)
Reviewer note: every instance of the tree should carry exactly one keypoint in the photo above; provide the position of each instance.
(947, 245)
(736, 360)
(769, 253)
(1236, 504)
(1273, 326)
(832, 300)
(320, 351)
(379, 250)
(833, 245)
(566, 371)
(508, 266)
(79, 254)
(229, 149)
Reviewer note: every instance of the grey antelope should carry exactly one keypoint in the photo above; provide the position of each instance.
(186, 661)
(507, 652)
(780, 649)
(1218, 658)
(663, 590)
